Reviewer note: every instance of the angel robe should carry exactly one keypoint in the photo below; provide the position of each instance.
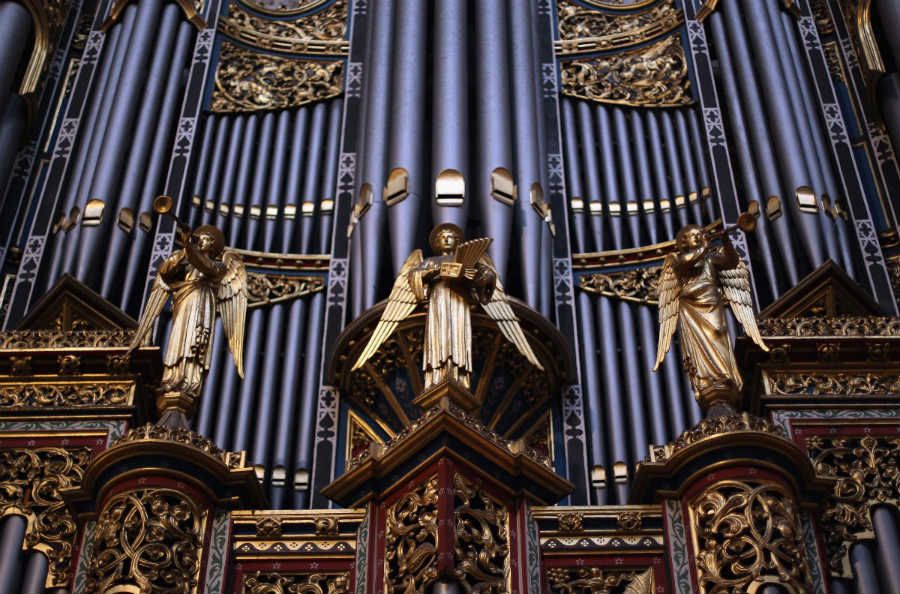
(447, 352)
(705, 343)
(188, 353)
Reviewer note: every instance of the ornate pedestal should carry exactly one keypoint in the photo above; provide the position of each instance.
(448, 504)
(736, 495)
(156, 506)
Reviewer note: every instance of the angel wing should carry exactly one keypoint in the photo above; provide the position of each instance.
(500, 311)
(735, 283)
(400, 303)
(159, 294)
(641, 584)
(668, 308)
(231, 303)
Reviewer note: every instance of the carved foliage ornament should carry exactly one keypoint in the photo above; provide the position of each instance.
(66, 395)
(150, 539)
(593, 580)
(410, 540)
(834, 384)
(251, 81)
(652, 76)
(54, 339)
(714, 426)
(819, 326)
(30, 480)
(482, 539)
(263, 289)
(314, 583)
(582, 29)
(748, 533)
(866, 473)
(319, 33)
(638, 285)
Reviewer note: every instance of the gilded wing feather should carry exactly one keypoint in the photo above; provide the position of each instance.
(641, 584)
(400, 303)
(735, 283)
(668, 308)
(231, 303)
(159, 294)
(499, 310)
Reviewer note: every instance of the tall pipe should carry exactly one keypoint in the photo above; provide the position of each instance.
(35, 573)
(574, 186)
(12, 534)
(15, 29)
(864, 574)
(12, 129)
(887, 546)
(494, 136)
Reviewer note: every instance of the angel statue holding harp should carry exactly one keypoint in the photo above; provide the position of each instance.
(203, 278)
(696, 284)
(458, 276)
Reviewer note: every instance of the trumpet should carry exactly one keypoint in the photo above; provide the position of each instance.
(746, 222)
(163, 205)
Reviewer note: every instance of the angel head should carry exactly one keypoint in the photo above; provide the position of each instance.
(208, 240)
(444, 238)
(690, 238)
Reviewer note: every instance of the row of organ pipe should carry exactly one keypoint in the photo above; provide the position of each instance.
(482, 57)
(15, 29)
(120, 161)
(271, 412)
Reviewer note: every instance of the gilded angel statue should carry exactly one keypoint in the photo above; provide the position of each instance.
(203, 278)
(696, 284)
(457, 277)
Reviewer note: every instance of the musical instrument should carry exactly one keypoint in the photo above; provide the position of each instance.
(163, 205)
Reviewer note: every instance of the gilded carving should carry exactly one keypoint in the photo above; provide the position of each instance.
(319, 33)
(411, 540)
(252, 81)
(747, 534)
(629, 521)
(233, 460)
(268, 527)
(652, 76)
(571, 522)
(326, 526)
(30, 482)
(283, 7)
(48, 19)
(821, 326)
(833, 384)
(150, 540)
(313, 583)
(68, 394)
(481, 542)
(709, 427)
(582, 29)
(263, 289)
(638, 285)
(593, 580)
(865, 473)
(55, 339)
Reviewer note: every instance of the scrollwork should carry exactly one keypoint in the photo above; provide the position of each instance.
(319, 33)
(233, 460)
(54, 339)
(833, 384)
(30, 481)
(411, 540)
(748, 533)
(652, 76)
(714, 426)
(313, 583)
(820, 326)
(264, 289)
(41, 395)
(591, 580)
(251, 81)
(582, 29)
(481, 542)
(638, 285)
(150, 539)
(865, 469)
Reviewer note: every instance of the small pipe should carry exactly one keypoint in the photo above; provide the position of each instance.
(12, 534)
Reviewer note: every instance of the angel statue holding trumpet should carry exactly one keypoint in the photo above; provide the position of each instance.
(457, 276)
(203, 278)
(697, 282)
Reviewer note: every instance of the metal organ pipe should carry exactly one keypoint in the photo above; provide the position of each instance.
(12, 127)
(691, 170)
(156, 169)
(573, 172)
(35, 573)
(314, 159)
(673, 160)
(786, 136)
(450, 108)
(190, 210)
(295, 175)
(12, 534)
(864, 574)
(660, 178)
(887, 546)
(374, 157)
(591, 172)
(493, 124)
(329, 181)
(15, 29)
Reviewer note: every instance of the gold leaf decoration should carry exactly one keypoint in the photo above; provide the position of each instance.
(652, 76)
(312, 583)
(319, 33)
(585, 30)
(411, 540)
(149, 541)
(638, 285)
(65, 394)
(30, 481)
(252, 81)
(482, 539)
(264, 289)
(748, 533)
(833, 384)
